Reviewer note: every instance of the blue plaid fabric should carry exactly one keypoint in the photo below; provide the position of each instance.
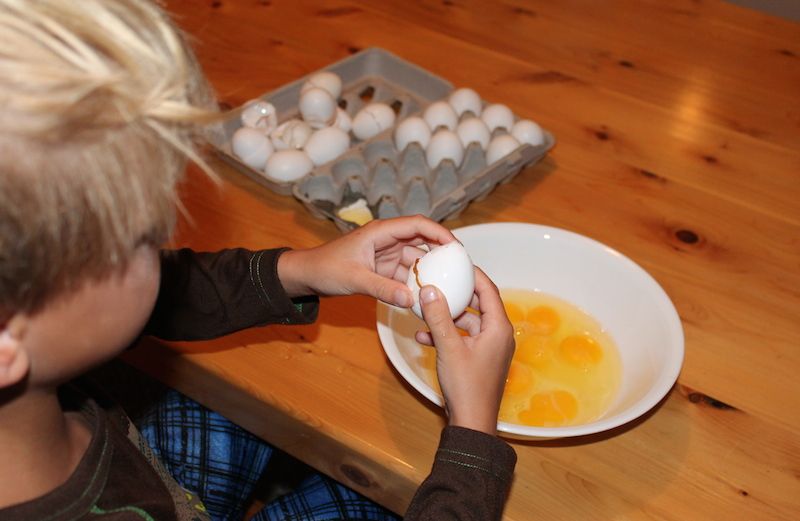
(320, 498)
(221, 463)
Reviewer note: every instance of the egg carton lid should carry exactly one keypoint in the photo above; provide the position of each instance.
(392, 79)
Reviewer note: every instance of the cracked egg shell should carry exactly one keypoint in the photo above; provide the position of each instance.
(342, 120)
(327, 80)
(326, 144)
(252, 147)
(372, 120)
(291, 134)
(259, 114)
(317, 107)
(449, 268)
(288, 165)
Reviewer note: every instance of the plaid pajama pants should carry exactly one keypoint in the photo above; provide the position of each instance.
(222, 463)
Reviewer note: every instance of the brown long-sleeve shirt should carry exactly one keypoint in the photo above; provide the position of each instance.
(469, 480)
(205, 295)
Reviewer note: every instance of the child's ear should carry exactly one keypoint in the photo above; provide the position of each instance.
(14, 361)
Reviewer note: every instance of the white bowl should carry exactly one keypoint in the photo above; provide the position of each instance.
(617, 292)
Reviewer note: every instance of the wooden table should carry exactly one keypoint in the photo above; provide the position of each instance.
(678, 127)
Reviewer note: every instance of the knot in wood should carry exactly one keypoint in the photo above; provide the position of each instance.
(355, 475)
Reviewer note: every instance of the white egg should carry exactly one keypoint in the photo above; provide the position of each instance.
(527, 131)
(473, 130)
(317, 107)
(251, 146)
(412, 130)
(326, 144)
(444, 144)
(291, 134)
(464, 99)
(440, 114)
(259, 114)
(288, 165)
(372, 120)
(343, 120)
(449, 268)
(498, 116)
(500, 147)
(327, 80)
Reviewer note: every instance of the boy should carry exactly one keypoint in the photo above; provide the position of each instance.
(98, 102)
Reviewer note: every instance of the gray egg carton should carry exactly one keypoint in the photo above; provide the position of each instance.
(393, 182)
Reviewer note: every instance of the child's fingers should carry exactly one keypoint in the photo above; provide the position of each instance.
(391, 231)
(408, 256)
(384, 289)
(400, 273)
(437, 316)
(424, 338)
(411, 254)
(469, 322)
(475, 302)
(491, 305)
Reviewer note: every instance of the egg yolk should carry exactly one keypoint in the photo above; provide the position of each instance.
(428, 359)
(520, 378)
(565, 369)
(581, 350)
(533, 351)
(550, 409)
(544, 319)
(514, 312)
(522, 330)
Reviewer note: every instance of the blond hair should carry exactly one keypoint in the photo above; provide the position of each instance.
(99, 102)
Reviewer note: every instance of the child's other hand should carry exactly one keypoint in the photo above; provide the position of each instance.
(472, 369)
(371, 260)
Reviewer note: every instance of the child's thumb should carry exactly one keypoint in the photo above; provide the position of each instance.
(436, 313)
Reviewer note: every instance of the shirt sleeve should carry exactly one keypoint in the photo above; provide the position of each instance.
(206, 295)
(469, 480)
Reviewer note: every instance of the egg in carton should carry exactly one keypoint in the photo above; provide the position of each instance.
(369, 76)
(407, 172)
(366, 166)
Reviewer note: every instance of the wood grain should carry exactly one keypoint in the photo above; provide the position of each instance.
(678, 128)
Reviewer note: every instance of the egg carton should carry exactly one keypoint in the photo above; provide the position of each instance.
(392, 182)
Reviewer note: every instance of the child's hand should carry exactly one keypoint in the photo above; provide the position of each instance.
(472, 370)
(372, 260)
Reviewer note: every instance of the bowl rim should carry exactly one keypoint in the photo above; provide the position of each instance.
(666, 377)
